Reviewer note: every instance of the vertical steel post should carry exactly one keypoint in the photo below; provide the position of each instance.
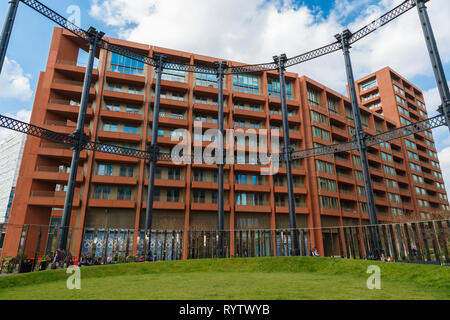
(287, 150)
(154, 151)
(80, 138)
(7, 29)
(220, 67)
(360, 139)
(435, 58)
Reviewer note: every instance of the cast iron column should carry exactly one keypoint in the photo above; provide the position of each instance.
(7, 29)
(360, 139)
(287, 150)
(154, 151)
(80, 138)
(220, 67)
(435, 58)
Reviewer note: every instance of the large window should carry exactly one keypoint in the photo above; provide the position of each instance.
(328, 202)
(206, 80)
(274, 88)
(105, 170)
(368, 84)
(124, 193)
(123, 64)
(246, 83)
(173, 75)
(313, 97)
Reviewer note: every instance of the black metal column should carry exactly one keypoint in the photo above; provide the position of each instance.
(154, 151)
(435, 58)
(360, 138)
(7, 29)
(221, 67)
(80, 139)
(287, 150)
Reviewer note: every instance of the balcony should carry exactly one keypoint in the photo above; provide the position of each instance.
(129, 181)
(125, 97)
(300, 208)
(71, 87)
(248, 97)
(210, 91)
(55, 175)
(59, 151)
(172, 85)
(196, 206)
(112, 202)
(118, 116)
(119, 136)
(253, 209)
(294, 119)
(165, 205)
(208, 185)
(64, 127)
(251, 188)
(209, 108)
(249, 114)
(170, 120)
(53, 199)
(130, 79)
(68, 108)
(73, 69)
(171, 103)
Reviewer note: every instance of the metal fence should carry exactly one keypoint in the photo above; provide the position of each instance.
(417, 242)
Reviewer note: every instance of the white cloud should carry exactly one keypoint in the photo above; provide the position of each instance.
(13, 82)
(22, 115)
(252, 31)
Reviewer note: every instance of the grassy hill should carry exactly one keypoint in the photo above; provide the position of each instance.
(238, 278)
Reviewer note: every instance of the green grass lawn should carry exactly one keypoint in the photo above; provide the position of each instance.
(238, 278)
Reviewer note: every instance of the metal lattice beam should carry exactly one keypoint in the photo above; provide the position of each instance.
(23, 127)
(335, 46)
(383, 20)
(401, 132)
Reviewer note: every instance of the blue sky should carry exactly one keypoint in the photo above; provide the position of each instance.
(251, 31)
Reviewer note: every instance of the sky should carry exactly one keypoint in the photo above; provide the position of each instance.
(250, 31)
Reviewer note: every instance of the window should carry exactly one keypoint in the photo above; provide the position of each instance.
(132, 110)
(105, 170)
(113, 107)
(112, 127)
(246, 83)
(274, 88)
(173, 195)
(366, 85)
(386, 157)
(389, 170)
(130, 129)
(332, 105)
(320, 133)
(313, 97)
(356, 160)
(199, 196)
(124, 193)
(318, 117)
(328, 203)
(174, 174)
(127, 171)
(326, 167)
(326, 184)
(206, 80)
(400, 100)
(134, 90)
(391, 184)
(359, 175)
(102, 192)
(115, 87)
(199, 175)
(123, 64)
(173, 75)
(414, 167)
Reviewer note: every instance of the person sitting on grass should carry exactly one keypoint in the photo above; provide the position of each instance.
(315, 253)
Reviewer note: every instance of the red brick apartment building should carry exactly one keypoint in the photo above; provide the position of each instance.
(111, 190)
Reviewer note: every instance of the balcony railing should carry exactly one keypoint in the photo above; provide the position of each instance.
(47, 194)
